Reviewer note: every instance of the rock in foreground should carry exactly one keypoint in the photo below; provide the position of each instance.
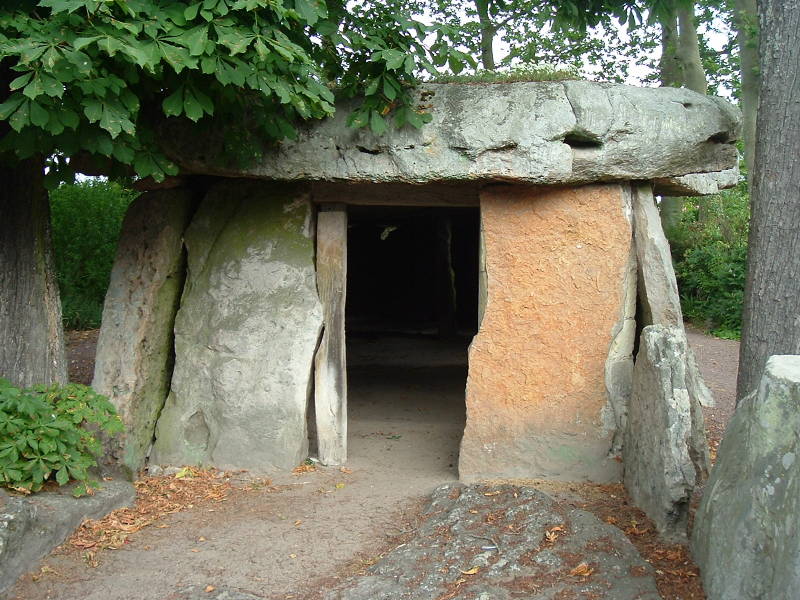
(745, 535)
(503, 542)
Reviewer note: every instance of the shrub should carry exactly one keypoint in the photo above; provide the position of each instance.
(86, 219)
(50, 433)
(710, 252)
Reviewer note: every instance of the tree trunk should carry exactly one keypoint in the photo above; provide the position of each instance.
(671, 74)
(694, 76)
(746, 21)
(488, 31)
(771, 320)
(30, 308)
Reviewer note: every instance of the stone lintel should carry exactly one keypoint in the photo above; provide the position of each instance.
(541, 133)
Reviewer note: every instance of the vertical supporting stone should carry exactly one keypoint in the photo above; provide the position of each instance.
(135, 348)
(483, 279)
(556, 264)
(245, 333)
(330, 375)
(661, 468)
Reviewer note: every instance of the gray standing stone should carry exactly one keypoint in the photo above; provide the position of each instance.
(746, 536)
(31, 526)
(658, 287)
(245, 333)
(663, 456)
(134, 350)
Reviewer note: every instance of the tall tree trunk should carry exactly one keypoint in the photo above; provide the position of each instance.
(32, 350)
(694, 76)
(680, 65)
(771, 320)
(746, 21)
(488, 31)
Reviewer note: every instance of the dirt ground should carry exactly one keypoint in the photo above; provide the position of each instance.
(295, 535)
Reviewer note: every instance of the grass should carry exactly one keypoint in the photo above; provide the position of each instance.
(514, 75)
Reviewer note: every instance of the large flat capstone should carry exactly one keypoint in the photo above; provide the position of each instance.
(746, 533)
(134, 351)
(245, 333)
(546, 133)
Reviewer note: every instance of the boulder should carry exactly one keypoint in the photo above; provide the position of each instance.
(544, 133)
(245, 333)
(745, 537)
(134, 350)
(658, 287)
(665, 453)
(490, 543)
(31, 526)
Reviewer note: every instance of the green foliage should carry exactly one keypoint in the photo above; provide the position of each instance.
(86, 219)
(97, 76)
(710, 252)
(44, 435)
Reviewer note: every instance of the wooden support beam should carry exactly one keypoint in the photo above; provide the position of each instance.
(330, 376)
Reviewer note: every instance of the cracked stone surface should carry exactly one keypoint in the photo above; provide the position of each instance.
(503, 542)
(547, 133)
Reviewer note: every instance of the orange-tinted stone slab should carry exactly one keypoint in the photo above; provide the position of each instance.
(556, 261)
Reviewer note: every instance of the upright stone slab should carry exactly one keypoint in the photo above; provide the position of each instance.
(662, 463)
(746, 536)
(556, 263)
(658, 287)
(245, 333)
(134, 352)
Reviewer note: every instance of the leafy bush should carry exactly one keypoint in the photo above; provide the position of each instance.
(709, 248)
(44, 434)
(86, 219)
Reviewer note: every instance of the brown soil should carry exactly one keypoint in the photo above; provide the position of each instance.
(296, 535)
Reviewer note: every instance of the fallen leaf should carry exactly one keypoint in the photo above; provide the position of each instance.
(298, 522)
(195, 550)
(498, 492)
(471, 571)
(339, 486)
(345, 470)
(201, 539)
(210, 588)
(582, 570)
(293, 556)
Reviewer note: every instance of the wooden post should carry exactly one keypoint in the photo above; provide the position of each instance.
(330, 377)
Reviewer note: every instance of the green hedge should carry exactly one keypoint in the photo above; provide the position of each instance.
(709, 248)
(86, 219)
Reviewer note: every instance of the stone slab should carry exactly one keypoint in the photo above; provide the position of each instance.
(135, 350)
(31, 526)
(556, 263)
(658, 287)
(488, 543)
(745, 537)
(546, 133)
(662, 454)
(245, 333)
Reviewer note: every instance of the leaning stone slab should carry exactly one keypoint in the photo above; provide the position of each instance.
(746, 537)
(664, 453)
(489, 543)
(134, 351)
(245, 333)
(31, 526)
(658, 287)
(698, 184)
(545, 133)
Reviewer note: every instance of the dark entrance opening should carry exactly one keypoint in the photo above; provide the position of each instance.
(412, 310)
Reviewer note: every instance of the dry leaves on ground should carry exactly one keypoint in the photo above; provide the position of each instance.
(155, 498)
